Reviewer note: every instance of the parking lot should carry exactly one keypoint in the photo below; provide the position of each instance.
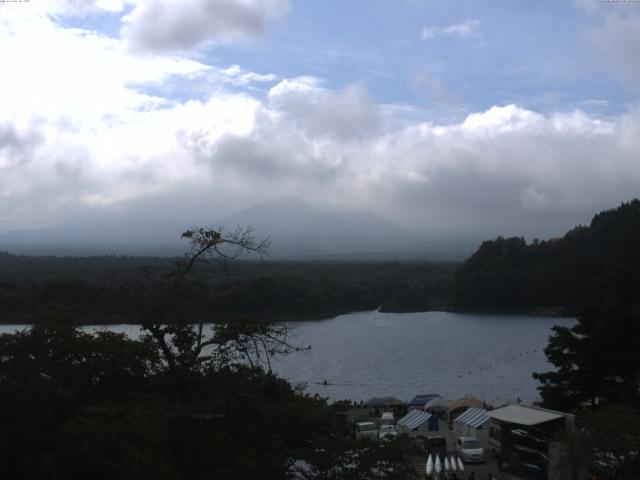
(481, 470)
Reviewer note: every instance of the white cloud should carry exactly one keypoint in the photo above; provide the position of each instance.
(618, 40)
(465, 30)
(168, 25)
(513, 161)
(320, 112)
(80, 131)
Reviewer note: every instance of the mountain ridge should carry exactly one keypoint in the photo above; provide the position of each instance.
(297, 230)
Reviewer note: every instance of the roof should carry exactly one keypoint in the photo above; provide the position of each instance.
(523, 415)
(437, 403)
(383, 401)
(466, 401)
(414, 419)
(474, 417)
(420, 400)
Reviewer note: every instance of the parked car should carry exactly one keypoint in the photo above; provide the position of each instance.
(469, 450)
(387, 432)
(366, 430)
(387, 418)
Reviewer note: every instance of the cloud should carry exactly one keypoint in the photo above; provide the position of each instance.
(88, 126)
(505, 170)
(618, 40)
(17, 145)
(167, 25)
(320, 113)
(493, 172)
(465, 30)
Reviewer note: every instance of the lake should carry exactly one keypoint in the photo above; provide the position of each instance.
(366, 354)
(369, 354)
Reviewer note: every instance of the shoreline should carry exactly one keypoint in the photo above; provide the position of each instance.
(119, 319)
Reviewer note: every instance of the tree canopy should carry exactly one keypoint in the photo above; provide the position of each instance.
(180, 402)
(589, 265)
(597, 361)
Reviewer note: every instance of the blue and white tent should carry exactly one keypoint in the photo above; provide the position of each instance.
(415, 420)
(420, 400)
(474, 417)
(473, 423)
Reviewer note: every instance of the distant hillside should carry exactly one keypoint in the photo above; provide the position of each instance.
(588, 265)
(108, 237)
(112, 289)
(297, 231)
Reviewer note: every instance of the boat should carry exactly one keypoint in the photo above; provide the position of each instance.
(429, 466)
(460, 465)
(437, 465)
(453, 463)
(446, 464)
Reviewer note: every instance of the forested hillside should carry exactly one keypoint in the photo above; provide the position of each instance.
(589, 265)
(114, 289)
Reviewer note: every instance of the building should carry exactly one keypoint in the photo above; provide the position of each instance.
(526, 440)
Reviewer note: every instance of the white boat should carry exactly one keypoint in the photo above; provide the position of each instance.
(437, 465)
(460, 465)
(446, 464)
(453, 463)
(429, 466)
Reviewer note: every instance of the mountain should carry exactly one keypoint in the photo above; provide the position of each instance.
(297, 231)
(589, 265)
(108, 237)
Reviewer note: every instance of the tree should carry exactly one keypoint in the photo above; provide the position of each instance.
(607, 442)
(48, 374)
(597, 360)
(179, 403)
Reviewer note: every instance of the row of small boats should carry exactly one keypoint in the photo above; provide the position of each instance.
(434, 464)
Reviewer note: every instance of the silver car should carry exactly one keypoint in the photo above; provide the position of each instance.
(469, 450)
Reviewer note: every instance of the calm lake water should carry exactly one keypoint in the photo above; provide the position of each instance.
(367, 354)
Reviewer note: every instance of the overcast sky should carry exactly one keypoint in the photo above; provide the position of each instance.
(453, 118)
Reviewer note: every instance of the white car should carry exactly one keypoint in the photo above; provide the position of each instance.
(387, 418)
(469, 450)
(387, 432)
(366, 430)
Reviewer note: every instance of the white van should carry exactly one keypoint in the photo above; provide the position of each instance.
(387, 418)
(469, 450)
(366, 430)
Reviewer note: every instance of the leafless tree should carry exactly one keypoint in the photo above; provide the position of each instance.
(185, 346)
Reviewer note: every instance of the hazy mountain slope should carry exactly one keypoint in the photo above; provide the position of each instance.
(149, 236)
(298, 229)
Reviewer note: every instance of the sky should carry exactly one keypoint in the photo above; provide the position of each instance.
(450, 118)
